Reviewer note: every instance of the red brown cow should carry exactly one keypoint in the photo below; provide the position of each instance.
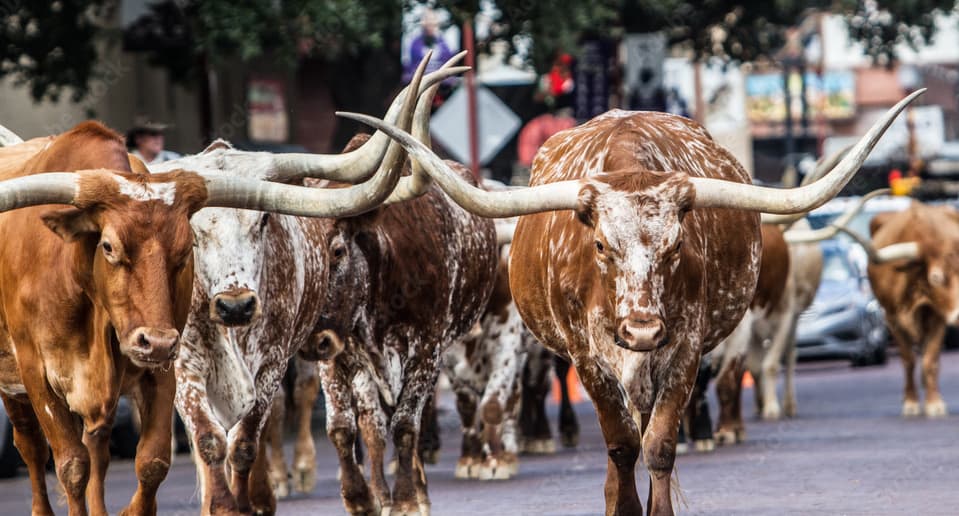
(91, 306)
(914, 273)
(653, 264)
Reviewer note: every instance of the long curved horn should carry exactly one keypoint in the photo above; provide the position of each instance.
(716, 193)
(418, 182)
(8, 137)
(822, 168)
(901, 251)
(47, 188)
(710, 193)
(825, 165)
(561, 195)
(806, 236)
(254, 194)
(358, 165)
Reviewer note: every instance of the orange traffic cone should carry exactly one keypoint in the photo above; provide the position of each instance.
(572, 383)
(748, 380)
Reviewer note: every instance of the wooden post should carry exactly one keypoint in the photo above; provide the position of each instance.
(472, 117)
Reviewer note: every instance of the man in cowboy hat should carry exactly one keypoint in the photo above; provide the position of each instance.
(145, 139)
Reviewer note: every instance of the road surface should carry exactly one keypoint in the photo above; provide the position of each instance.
(848, 452)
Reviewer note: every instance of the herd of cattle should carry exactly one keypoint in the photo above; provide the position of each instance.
(640, 253)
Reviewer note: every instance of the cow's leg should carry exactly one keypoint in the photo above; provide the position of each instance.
(471, 450)
(306, 390)
(659, 436)
(373, 430)
(154, 395)
(250, 480)
(341, 428)
(279, 477)
(910, 402)
(506, 362)
(98, 446)
(208, 439)
(62, 429)
(568, 425)
(785, 329)
(934, 404)
(729, 384)
(700, 422)
(620, 433)
(429, 441)
(789, 386)
(409, 492)
(534, 425)
(28, 438)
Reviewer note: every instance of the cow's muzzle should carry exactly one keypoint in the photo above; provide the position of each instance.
(640, 332)
(235, 307)
(152, 347)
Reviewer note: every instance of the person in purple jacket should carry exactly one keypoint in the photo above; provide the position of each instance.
(429, 39)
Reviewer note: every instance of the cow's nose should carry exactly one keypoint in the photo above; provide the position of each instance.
(234, 309)
(153, 345)
(641, 333)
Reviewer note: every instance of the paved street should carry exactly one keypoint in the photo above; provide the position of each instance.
(848, 452)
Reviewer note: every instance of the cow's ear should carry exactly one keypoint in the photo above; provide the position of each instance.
(359, 223)
(70, 223)
(586, 206)
(879, 220)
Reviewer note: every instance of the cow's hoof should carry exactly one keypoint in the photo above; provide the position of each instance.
(413, 509)
(910, 408)
(391, 467)
(430, 456)
(493, 469)
(789, 408)
(724, 437)
(304, 479)
(365, 507)
(569, 439)
(281, 488)
(772, 412)
(466, 468)
(704, 445)
(539, 446)
(936, 408)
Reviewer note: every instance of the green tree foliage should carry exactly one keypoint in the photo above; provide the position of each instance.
(179, 32)
(50, 45)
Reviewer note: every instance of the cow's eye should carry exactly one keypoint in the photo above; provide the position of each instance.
(339, 251)
(264, 220)
(600, 247)
(107, 248)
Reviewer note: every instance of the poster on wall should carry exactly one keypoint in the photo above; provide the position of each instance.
(831, 95)
(266, 105)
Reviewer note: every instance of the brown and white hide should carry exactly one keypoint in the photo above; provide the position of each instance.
(919, 297)
(416, 276)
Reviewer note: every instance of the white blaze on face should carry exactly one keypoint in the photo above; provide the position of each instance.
(163, 192)
(623, 219)
(230, 247)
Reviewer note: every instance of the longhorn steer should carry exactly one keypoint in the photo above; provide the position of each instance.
(914, 273)
(485, 371)
(269, 286)
(648, 271)
(91, 307)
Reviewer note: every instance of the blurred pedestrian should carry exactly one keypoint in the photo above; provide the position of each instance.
(430, 38)
(145, 141)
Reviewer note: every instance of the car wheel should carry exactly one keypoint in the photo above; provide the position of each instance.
(9, 456)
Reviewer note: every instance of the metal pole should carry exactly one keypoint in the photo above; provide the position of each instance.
(472, 117)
